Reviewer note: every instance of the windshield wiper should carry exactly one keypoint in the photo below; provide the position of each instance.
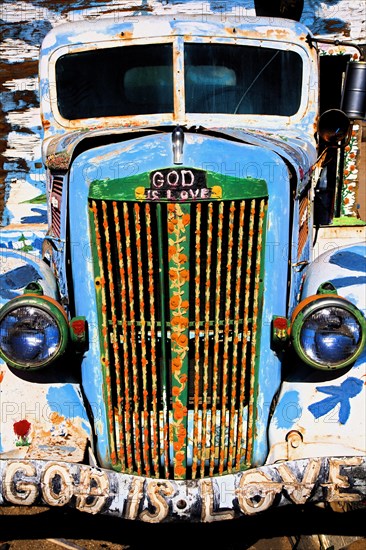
(253, 82)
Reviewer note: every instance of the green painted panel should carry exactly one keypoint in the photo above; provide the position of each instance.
(140, 187)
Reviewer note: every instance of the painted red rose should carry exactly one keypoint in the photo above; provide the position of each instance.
(22, 428)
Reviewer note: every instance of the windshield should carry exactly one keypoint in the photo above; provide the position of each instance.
(119, 81)
(138, 80)
(222, 78)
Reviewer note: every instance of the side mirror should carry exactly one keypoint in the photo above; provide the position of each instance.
(353, 102)
(334, 127)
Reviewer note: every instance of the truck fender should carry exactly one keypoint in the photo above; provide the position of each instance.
(38, 420)
(18, 269)
(345, 268)
(322, 413)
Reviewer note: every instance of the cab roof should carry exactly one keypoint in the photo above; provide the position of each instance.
(120, 27)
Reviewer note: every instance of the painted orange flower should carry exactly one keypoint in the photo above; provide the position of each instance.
(180, 470)
(173, 275)
(184, 275)
(182, 432)
(182, 340)
(186, 219)
(179, 457)
(174, 302)
(182, 258)
(179, 411)
(176, 364)
(171, 251)
(178, 320)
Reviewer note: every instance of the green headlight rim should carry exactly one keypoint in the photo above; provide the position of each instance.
(49, 306)
(315, 305)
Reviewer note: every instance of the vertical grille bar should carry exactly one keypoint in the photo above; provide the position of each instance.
(206, 338)
(154, 377)
(236, 339)
(135, 373)
(197, 310)
(145, 413)
(125, 403)
(114, 337)
(215, 362)
(164, 356)
(253, 354)
(100, 284)
(245, 333)
(225, 378)
(179, 250)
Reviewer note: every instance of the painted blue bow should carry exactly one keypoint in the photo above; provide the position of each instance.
(339, 394)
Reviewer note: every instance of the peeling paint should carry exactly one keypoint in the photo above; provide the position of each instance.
(316, 447)
(96, 491)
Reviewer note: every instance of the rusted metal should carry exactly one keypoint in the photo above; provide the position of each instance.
(214, 394)
(95, 491)
(177, 269)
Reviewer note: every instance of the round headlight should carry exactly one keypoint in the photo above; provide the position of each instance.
(33, 332)
(328, 332)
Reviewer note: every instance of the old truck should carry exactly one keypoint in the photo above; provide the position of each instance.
(178, 353)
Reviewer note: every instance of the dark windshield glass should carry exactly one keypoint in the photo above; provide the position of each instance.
(129, 80)
(222, 78)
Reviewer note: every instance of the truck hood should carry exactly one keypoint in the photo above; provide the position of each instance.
(298, 152)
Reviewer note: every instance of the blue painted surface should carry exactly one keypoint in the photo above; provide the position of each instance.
(339, 395)
(22, 241)
(155, 152)
(20, 268)
(40, 216)
(345, 268)
(16, 279)
(352, 258)
(340, 282)
(288, 410)
(332, 403)
(66, 401)
(261, 152)
(63, 448)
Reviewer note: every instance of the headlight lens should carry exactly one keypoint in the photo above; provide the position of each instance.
(33, 332)
(328, 332)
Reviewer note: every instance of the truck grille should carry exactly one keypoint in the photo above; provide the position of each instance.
(179, 294)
